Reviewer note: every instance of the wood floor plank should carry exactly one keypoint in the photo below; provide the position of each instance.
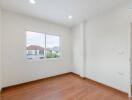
(65, 87)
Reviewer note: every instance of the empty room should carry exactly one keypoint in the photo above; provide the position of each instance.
(65, 50)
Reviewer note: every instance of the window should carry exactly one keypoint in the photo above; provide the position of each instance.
(40, 45)
(52, 45)
(35, 45)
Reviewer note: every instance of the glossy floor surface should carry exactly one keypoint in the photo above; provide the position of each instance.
(64, 87)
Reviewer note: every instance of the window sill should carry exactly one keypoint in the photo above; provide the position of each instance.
(43, 60)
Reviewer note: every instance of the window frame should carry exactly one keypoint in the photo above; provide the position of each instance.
(45, 58)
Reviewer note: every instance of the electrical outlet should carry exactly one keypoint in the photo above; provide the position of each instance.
(121, 73)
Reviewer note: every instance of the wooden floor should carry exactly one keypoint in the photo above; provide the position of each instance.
(65, 87)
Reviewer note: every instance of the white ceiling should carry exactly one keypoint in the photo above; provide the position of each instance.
(58, 10)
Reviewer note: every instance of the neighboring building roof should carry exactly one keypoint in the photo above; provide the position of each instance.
(35, 47)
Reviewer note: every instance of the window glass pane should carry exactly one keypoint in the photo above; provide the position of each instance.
(35, 45)
(52, 46)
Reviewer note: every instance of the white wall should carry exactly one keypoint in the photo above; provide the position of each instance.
(108, 49)
(78, 49)
(0, 51)
(131, 51)
(16, 68)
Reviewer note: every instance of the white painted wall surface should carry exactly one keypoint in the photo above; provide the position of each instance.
(16, 68)
(0, 50)
(108, 48)
(78, 49)
(131, 52)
